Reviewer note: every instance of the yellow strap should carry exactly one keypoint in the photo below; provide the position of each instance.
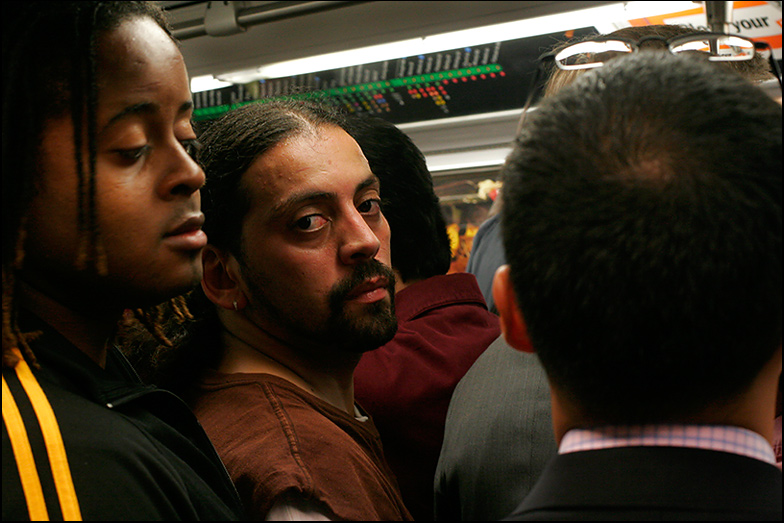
(28, 474)
(58, 461)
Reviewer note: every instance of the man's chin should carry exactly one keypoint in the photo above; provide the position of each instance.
(373, 330)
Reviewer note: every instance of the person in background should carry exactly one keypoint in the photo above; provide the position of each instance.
(474, 480)
(487, 253)
(642, 224)
(443, 322)
(101, 214)
(297, 287)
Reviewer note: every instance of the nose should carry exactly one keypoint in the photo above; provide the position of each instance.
(183, 175)
(359, 241)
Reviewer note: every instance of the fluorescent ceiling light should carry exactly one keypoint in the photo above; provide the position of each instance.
(599, 17)
(494, 157)
(207, 83)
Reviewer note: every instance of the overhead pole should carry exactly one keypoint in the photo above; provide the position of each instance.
(719, 15)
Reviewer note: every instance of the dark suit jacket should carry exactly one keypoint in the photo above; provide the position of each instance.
(498, 437)
(654, 483)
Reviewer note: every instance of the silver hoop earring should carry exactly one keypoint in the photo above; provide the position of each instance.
(235, 305)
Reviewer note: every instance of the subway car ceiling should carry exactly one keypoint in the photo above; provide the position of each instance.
(458, 85)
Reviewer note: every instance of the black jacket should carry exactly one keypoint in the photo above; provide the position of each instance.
(127, 451)
(654, 484)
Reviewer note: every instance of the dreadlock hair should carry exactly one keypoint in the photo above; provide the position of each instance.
(49, 70)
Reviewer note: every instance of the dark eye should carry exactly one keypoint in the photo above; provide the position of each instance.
(370, 206)
(312, 222)
(134, 154)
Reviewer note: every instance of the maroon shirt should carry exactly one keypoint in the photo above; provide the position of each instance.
(277, 439)
(406, 385)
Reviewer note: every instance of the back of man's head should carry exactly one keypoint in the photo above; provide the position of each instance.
(420, 244)
(642, 224)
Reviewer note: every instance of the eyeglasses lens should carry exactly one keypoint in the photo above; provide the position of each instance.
(721, 48)
(586, 55)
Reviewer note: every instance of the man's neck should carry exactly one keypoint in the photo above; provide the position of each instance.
(752, 409)
(249, 350)
(89, 333)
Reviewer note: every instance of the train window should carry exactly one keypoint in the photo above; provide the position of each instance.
(466, 202)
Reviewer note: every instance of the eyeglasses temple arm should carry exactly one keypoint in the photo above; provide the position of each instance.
(531, 93)
(774, 64)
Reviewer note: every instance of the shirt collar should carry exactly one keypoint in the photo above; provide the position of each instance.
(723, 438)
(435, 292)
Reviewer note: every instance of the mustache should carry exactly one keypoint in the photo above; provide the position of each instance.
(362, 273)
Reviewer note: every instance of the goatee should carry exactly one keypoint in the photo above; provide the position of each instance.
(377, 325)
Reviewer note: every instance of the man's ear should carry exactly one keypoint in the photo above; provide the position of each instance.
(221, 280)
(513, 324)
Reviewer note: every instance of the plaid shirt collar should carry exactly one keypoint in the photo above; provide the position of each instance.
(712, 437)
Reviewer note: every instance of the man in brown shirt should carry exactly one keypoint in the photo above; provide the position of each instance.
(299, 286)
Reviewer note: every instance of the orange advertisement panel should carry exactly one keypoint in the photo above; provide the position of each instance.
(756, 20)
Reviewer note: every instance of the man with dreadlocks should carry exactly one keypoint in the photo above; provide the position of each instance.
(101, 214)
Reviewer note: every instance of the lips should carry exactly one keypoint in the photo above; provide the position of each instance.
(187, 236)
(192, 224)
(368, 283)
(371, 290)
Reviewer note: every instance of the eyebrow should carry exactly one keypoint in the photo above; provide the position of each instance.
(309, 196)
(144, 108)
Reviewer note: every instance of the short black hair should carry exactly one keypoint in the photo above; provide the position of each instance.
(642, 223)
(419, 244)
